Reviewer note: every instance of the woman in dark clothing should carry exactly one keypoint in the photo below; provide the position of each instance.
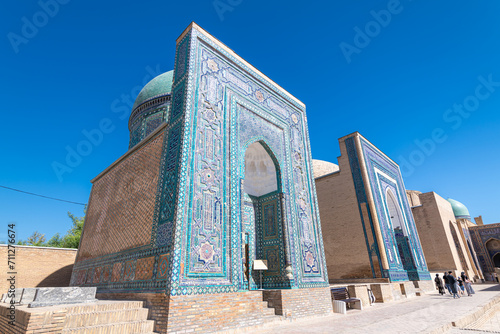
(439, 284)
(446, 282)
(453, 285)
(461, 285)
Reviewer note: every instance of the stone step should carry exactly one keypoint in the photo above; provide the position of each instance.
(108, 306)
(105, 317)
(143, 326)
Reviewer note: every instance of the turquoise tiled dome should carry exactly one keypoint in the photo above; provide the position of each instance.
(160, 85)
(459, 210)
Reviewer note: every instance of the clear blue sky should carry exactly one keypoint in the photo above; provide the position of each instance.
(395, 80)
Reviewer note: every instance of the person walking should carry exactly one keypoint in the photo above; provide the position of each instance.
(453, 285)
(468, 285)
(447, 282)
(461, 285)
(439, 284)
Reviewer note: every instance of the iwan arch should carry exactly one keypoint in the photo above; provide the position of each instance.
(218, 175)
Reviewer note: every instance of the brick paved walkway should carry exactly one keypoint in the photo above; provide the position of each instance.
(427, 314)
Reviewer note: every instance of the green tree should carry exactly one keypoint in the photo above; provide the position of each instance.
(72, 238)
(55, 241)
(36, 239)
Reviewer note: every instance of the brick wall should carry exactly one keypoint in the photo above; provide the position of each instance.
(432, 220)
(343, 237)
(38, 266)
(121, 205)
(301, 303)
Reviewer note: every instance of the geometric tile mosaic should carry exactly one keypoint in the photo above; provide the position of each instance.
(145, 267)
(117, 272)
(162, 266)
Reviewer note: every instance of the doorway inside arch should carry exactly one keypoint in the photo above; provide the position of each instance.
(496, 260)
(262, 219)
(401, 235)
(493, 247)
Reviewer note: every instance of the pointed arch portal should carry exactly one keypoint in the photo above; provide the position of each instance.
(493, 247)
(496, 260)
(400, 232)
(262, 218)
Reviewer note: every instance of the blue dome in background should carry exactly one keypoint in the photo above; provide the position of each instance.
(459, 210)
(160, 85)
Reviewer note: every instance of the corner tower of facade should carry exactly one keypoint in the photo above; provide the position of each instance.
(225, 181)
(367, 222)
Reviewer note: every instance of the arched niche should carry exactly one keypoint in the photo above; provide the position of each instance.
(493, 247)
(496, 260)
(264, 232)
(400, 231)
(260, 171)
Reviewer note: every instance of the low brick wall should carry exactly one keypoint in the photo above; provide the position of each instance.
(211, 313)
(425, 286)
(200, 313)
(359, 291)
(157, 303)
(382, 292)
(37, 267)
(300, 303)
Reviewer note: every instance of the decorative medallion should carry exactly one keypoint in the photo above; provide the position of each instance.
(295, 119)
(212, 65)
(310, 259)
(209, 115)
(297, 156)
(206, 253)
(259, 96)
(208, 177)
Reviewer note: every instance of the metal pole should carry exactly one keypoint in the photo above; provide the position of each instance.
(260, 271)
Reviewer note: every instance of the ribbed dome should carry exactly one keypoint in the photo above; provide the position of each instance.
(459, 210)
(160, 85)
(322, 168)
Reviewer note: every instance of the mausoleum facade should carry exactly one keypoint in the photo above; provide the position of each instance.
(368, 227)
(444, 229)
(218, 175)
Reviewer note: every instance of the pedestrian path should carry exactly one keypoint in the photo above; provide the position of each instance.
(426, 314)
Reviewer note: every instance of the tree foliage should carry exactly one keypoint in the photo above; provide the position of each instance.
(36, 239)
(70, 240)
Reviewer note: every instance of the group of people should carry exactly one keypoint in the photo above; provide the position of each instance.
(456, 286)
(494, 277)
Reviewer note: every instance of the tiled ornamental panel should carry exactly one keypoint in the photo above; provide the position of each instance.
(383, 176)
(120, 212)
(485, 239)
(220, 106)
